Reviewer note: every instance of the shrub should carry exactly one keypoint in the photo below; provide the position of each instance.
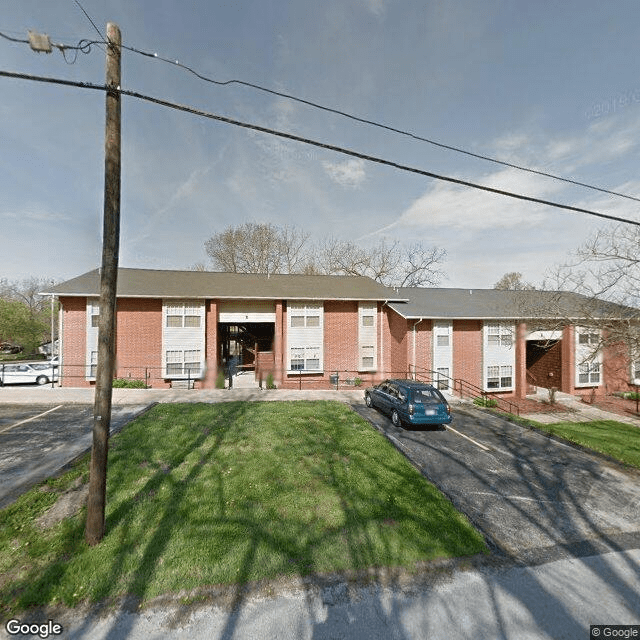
(357, 382)
(220, 380)
(270, 383)
(128, 383)
(485, 402)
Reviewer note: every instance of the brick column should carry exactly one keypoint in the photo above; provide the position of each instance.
(211, 344)
(568, 360)
(278, 343)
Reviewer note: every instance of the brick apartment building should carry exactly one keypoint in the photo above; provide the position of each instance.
(314, 331)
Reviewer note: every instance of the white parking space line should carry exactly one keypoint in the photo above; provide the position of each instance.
(17, 424)
(467, 438)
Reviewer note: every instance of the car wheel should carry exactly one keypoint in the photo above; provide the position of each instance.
(368, 401)
(42, 380)
(395, 418)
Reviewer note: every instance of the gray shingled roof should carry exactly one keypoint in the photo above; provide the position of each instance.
(147, 283)
(447, 304)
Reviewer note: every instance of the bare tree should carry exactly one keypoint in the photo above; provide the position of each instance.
(266, 248)
(258, 248)
(605, 271)
(513, 281)
(391, 264)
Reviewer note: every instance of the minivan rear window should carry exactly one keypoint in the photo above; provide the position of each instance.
(426, 396)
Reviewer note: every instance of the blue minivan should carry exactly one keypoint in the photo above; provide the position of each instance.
(409, 402)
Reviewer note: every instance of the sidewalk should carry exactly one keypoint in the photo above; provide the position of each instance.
(68, 395)
(577, 411)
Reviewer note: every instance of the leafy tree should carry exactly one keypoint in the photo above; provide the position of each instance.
(18, 325)
(25, 316)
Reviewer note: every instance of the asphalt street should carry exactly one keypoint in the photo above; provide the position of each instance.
(563, 524)
(534, 498)
(38, 440)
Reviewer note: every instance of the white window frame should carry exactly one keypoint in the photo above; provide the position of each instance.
(179, 357)
(499, 335)
(635, 371)
(305, 337)
(501, 373)
(179, 339)
(442, 383)
(367, 336)
(499, 356)
(588, 365)
(93, 314)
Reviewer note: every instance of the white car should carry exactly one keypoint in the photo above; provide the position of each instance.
(27, 372)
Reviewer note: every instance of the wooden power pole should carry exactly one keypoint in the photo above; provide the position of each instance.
(108, 282)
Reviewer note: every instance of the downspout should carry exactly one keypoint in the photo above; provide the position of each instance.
(414, 346)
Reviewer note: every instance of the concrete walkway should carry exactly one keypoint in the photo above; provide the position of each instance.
(577, 411)
(68, 395)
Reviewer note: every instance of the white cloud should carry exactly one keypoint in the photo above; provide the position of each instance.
(347, 174)
(464, 208)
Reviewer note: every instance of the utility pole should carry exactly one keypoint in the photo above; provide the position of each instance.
(94, 531)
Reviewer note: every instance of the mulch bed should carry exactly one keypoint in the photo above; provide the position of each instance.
(618, 405)
(527, 406)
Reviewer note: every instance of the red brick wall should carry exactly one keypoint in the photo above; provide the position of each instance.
(616, 369)
(139, 338)
(467, 351)
(397, 342)
(340, 336)
(211, 344)
(74, 342)
(423, 346)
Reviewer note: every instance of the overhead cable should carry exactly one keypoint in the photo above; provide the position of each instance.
(315, 143)
(379, 125)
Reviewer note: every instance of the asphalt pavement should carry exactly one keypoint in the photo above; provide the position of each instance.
(36, 441)
(562, 525)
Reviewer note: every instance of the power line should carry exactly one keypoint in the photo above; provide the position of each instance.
(344, 114)
(315, 143)
(83, 46)
(379, 125)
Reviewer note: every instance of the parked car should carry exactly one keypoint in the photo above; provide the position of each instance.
(408, 402)
(27, 372)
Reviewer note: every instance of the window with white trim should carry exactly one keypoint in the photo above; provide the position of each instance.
(499, 356)
(442, 378)
(305, 315)
(367, 336)
(367, 356)
(183, 363)
(442, 332)
(635, 372)
(183, 338)
(305, 336)
(93, 365)
(589, 373)
(92, 322)
(182, 315)
(305, 358)
(499, 377)
(588, 357)
(499, 335)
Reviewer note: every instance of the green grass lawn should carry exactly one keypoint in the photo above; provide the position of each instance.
(208, 494)
(615, 439)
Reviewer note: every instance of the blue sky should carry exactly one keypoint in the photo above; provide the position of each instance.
(548, 85)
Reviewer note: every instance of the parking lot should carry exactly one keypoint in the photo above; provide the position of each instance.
(534, 498)
(37, 440)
